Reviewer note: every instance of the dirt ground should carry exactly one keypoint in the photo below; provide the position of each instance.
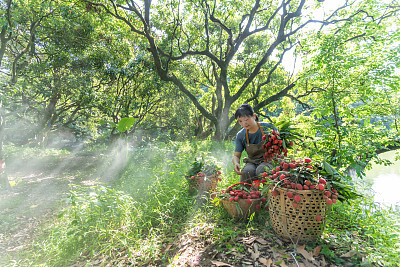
(40, 185)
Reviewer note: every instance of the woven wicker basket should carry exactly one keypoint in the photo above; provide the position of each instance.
(201, 183)
(240, 209)
(297, 224)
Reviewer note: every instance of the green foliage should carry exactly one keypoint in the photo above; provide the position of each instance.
(370, 231)
(125, 124)
(352, 113)
(149, 205)
(75, 64)
(344, 185)
(13, 152)
(207, 166)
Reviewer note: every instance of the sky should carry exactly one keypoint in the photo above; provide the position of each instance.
(294, 65)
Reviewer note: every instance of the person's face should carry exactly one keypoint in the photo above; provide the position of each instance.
(247, 121)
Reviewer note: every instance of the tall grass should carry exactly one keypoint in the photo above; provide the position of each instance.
(369, 231)
(148, 206)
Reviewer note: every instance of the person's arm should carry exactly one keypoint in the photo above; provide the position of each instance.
(236, 162)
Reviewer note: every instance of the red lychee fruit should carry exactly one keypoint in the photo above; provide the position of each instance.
(289, 194)
(318, 218)
(297, 198)
(285, 165)
(322, 180)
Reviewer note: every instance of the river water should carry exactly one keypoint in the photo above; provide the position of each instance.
(385, 180)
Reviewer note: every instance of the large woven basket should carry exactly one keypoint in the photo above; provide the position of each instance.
(240, 209)
(297, 224)
(201, 183)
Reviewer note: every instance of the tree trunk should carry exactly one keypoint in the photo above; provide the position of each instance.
(221, 128)
(4, 183)
(49, 115)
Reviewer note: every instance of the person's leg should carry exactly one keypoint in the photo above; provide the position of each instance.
(262, 167)
(248, 173)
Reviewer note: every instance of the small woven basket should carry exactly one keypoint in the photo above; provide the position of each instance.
(203, 183)
(240, 209)
(297, 224)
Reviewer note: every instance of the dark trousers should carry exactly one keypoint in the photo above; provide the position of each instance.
(252, 172)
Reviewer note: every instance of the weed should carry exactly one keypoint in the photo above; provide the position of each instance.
(148, 207)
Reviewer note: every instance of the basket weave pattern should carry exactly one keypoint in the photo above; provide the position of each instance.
(240, 209)
(298, 224)
(203, 183)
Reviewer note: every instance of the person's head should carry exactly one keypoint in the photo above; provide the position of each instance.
(245, 110)
(246, 116)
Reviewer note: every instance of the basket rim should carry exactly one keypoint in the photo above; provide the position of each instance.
(296, 190)
(227, 199)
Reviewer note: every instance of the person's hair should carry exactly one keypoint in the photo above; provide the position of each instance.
(244, 111)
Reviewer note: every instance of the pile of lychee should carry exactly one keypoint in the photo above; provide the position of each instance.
(276, 146)
(245, 193)
(299, 175)
(207, 177)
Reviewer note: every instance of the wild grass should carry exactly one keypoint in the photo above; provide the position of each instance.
(367, 232)
(148, 207)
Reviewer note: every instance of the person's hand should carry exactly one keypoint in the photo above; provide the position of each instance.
(236, 168)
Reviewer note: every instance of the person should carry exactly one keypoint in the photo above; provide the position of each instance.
(249, 138)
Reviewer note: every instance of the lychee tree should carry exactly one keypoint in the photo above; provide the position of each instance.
(236, 46)
(355, 109)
